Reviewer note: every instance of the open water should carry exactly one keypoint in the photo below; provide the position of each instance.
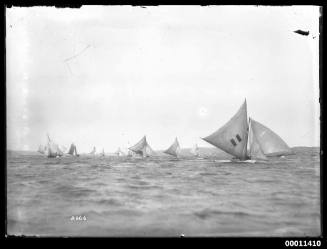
(108, 196)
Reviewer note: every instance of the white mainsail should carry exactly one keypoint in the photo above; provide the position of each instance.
(254, 149)
(232, 137)
(253, 141)
(142, 148)
(174, 149)
(270, 143)
(53, 149)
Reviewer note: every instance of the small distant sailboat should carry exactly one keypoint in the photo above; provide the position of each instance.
(174, 149)
(52, 149)
(130, 153)
(248, 141)
(142, 148)
(93, 151)
(42, 149)
(72, 150)
(119, 152)
(63, 148)
(195, 150)
(102, 153)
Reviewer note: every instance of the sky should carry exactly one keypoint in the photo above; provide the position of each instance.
(105, 76)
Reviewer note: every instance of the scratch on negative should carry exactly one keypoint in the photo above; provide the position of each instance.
(69, 68)
(74, 56)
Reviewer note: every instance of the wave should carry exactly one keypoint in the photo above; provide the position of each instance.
(209, 213)
(144, 187)
(208, 174)
(110, 202)
(73, 191)
(124, 212)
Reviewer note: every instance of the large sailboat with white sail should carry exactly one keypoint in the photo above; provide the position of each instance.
(247, 139)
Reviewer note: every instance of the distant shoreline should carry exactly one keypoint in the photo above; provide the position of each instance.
(184, 149)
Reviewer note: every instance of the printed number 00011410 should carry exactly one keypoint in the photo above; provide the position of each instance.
(301, 243)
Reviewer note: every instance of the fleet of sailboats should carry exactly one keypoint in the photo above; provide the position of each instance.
(242, 137)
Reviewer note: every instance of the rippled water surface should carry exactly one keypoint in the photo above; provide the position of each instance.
(162, 196)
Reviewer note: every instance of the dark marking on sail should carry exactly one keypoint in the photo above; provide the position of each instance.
(233, 142)
(238, 138)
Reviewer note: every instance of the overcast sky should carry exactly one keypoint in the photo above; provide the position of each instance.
(105, 76)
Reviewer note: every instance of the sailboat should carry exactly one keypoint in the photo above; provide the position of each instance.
(42, 149)
(102, 153)
(174, 149)
(195, 150)
(52, 149)
(247, 140)
(93, 151)
(63, 148)
(119, 152)
(142, 148)
(72, 150)
(130, 153)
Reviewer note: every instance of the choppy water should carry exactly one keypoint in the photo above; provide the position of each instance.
(160, 197)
